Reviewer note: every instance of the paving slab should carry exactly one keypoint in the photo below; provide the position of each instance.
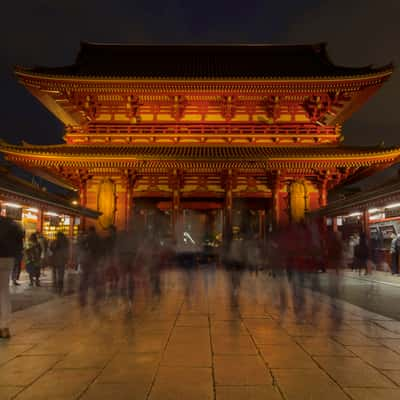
(286, 356)
(393, 344)
(240, 370)
(178, 383)
(260, 392)
(374, 394)
(10, 351)
(306, 384)
(241, 344)
(228, 328)
(23, 370)
(9, 392)
(393, 375)
(378, 357)
(353, 372)
(187, 355)
(323, 347)
(128, 368)
(60, 385)
(116, 391)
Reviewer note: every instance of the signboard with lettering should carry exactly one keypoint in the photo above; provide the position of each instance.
(14, 213)
(392, 212)
(54, 221)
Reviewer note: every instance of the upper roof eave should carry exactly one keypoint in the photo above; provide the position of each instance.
(381, 72)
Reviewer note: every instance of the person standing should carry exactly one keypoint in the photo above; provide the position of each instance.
(32, 259)
(60, 254)
(11, 236)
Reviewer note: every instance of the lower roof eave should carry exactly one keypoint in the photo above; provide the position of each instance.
(360, 200)
(72, 210)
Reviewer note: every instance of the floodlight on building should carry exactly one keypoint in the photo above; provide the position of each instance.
(355, 214)
(74, 202)
(377, 216)
(30, 215)
(32, 210)
(13, 205)
(373, 210)
(51, 214)
(393, 205)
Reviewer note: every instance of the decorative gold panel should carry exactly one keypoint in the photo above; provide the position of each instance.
(106, 199)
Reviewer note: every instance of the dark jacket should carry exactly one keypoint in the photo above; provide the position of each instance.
(60, 250)
(11, 238)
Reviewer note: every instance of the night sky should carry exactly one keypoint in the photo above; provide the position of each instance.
(48, 32)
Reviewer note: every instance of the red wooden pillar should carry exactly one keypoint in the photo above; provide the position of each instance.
(334, 224)
(83, 200)
(276, 200)
(39, 224)
(261, 224)
(129, 182)
(323, 193)
(176, 205)
(228, 209)
(71, 226)
(365, 223)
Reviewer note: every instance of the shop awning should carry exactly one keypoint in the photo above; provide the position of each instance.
(20, 190)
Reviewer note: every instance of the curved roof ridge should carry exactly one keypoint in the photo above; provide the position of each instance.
(315, 45)
(204, 61)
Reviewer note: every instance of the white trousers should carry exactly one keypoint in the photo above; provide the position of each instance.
(6, 265)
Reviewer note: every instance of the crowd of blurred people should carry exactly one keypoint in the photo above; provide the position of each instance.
(110, 261)
(113, 261)
(118, 262)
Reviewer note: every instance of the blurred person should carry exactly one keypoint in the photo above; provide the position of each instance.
(235, 253)
(89, 254)
(126, 252)
(361, 253)
(349, 251)
(334, 251)
(45, 252)
(32, 259)
(395, 252)
(16, 271)
(149, 253)
(110, 257)
(60, 254)
(11, 237)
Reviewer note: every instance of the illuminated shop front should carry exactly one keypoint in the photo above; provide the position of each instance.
(39, 211)
(376, 213)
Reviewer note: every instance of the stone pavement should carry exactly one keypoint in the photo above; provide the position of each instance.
(211, 334)
(24, 296)
(376, 276)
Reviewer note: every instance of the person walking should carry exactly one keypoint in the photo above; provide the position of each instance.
(361, 253)
(60, 254)
(44, 251)
(32, 259)
(16, 271)
(90, 249)
(11, 236)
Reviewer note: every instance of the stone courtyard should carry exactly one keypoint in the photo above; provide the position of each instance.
(210, 334)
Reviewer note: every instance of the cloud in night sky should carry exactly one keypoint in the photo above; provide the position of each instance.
(48, 32)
